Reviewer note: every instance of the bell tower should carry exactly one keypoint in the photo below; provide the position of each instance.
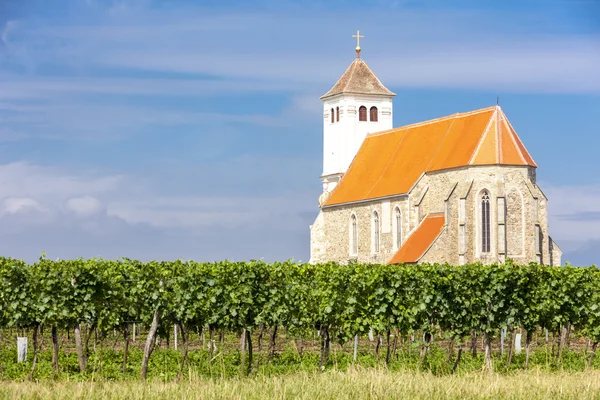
(358, 104)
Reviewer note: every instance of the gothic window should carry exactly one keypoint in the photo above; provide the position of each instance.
(373, 112)
(485, 222)
(353, 235)
(332, 116)
(362, 113)
(337, 114)
(375, 229)
(398, 228)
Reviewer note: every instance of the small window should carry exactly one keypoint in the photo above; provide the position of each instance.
(362, 113)
(353, 236)
(373, 113)
(332, 116)
(485, 223)
(375, 232)
(398, 228)
(337, 114)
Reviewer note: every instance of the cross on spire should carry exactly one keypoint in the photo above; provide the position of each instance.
(358, 37)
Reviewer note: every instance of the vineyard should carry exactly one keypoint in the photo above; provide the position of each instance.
(247, 312)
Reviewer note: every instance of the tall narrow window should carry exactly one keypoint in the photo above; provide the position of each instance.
(337, 114)
(485, 223)
(398, 228)
(362, 113)
(353, 235)
(375, 239)
(373, 112)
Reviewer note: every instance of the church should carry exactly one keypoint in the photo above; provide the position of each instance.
(456, 189)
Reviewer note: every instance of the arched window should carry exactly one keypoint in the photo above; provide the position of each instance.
(353, 235)
(375, 230)
(373, 112)
(332, 116)
(485, 222)
(362, 113)
(398, 228)
(337, 114)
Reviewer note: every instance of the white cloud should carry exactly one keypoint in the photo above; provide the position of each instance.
(20, 205)
(84, 205)
(88, 213)
(570, 208)
(438, 49)
(23, 179)
(282, 212)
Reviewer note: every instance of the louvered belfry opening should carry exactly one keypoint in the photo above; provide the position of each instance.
(362, 113)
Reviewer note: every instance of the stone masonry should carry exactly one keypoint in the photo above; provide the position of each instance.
(519, 228)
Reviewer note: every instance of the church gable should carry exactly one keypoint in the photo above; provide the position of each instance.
(389, 163)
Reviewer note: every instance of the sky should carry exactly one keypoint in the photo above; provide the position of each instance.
(179, 129)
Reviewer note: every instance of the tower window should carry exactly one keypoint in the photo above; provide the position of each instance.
(337, 114)
(362, 113)
(373, 112)
(332, 116)
(485, 222)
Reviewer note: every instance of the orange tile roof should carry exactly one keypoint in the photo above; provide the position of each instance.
(421, 240)
(390, 162)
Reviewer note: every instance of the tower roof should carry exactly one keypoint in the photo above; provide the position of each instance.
(389, 163)
(359, 79)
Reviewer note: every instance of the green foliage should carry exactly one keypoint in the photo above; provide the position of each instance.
(348, 299)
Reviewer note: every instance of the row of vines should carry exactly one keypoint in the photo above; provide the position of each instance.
(338, 301)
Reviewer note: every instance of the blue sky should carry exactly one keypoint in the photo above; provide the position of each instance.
(184, 129)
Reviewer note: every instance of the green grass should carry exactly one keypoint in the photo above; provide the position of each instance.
(353, 383)
(105, 364)
(289, 375)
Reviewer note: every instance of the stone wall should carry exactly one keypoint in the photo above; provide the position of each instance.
(515, 224)
(442, 192)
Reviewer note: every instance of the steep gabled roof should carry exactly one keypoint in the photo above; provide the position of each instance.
(389, 163)
(421, 240)
(359, 79)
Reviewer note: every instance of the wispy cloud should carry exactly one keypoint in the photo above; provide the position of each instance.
(426, 49)
(567, 207)
(35, 197)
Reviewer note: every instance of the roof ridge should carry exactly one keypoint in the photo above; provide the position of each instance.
(485, 132)
(373, 73)
(352, 70)
(431, 121)
(516, 137)
(340, 78)
(499, 155)
(512, 138)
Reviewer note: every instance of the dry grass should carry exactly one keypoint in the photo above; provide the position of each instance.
(357, 383)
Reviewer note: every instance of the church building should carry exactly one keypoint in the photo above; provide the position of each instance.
(458, 189)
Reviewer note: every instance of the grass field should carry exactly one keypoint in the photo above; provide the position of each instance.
(355, 383)
(290, 374)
